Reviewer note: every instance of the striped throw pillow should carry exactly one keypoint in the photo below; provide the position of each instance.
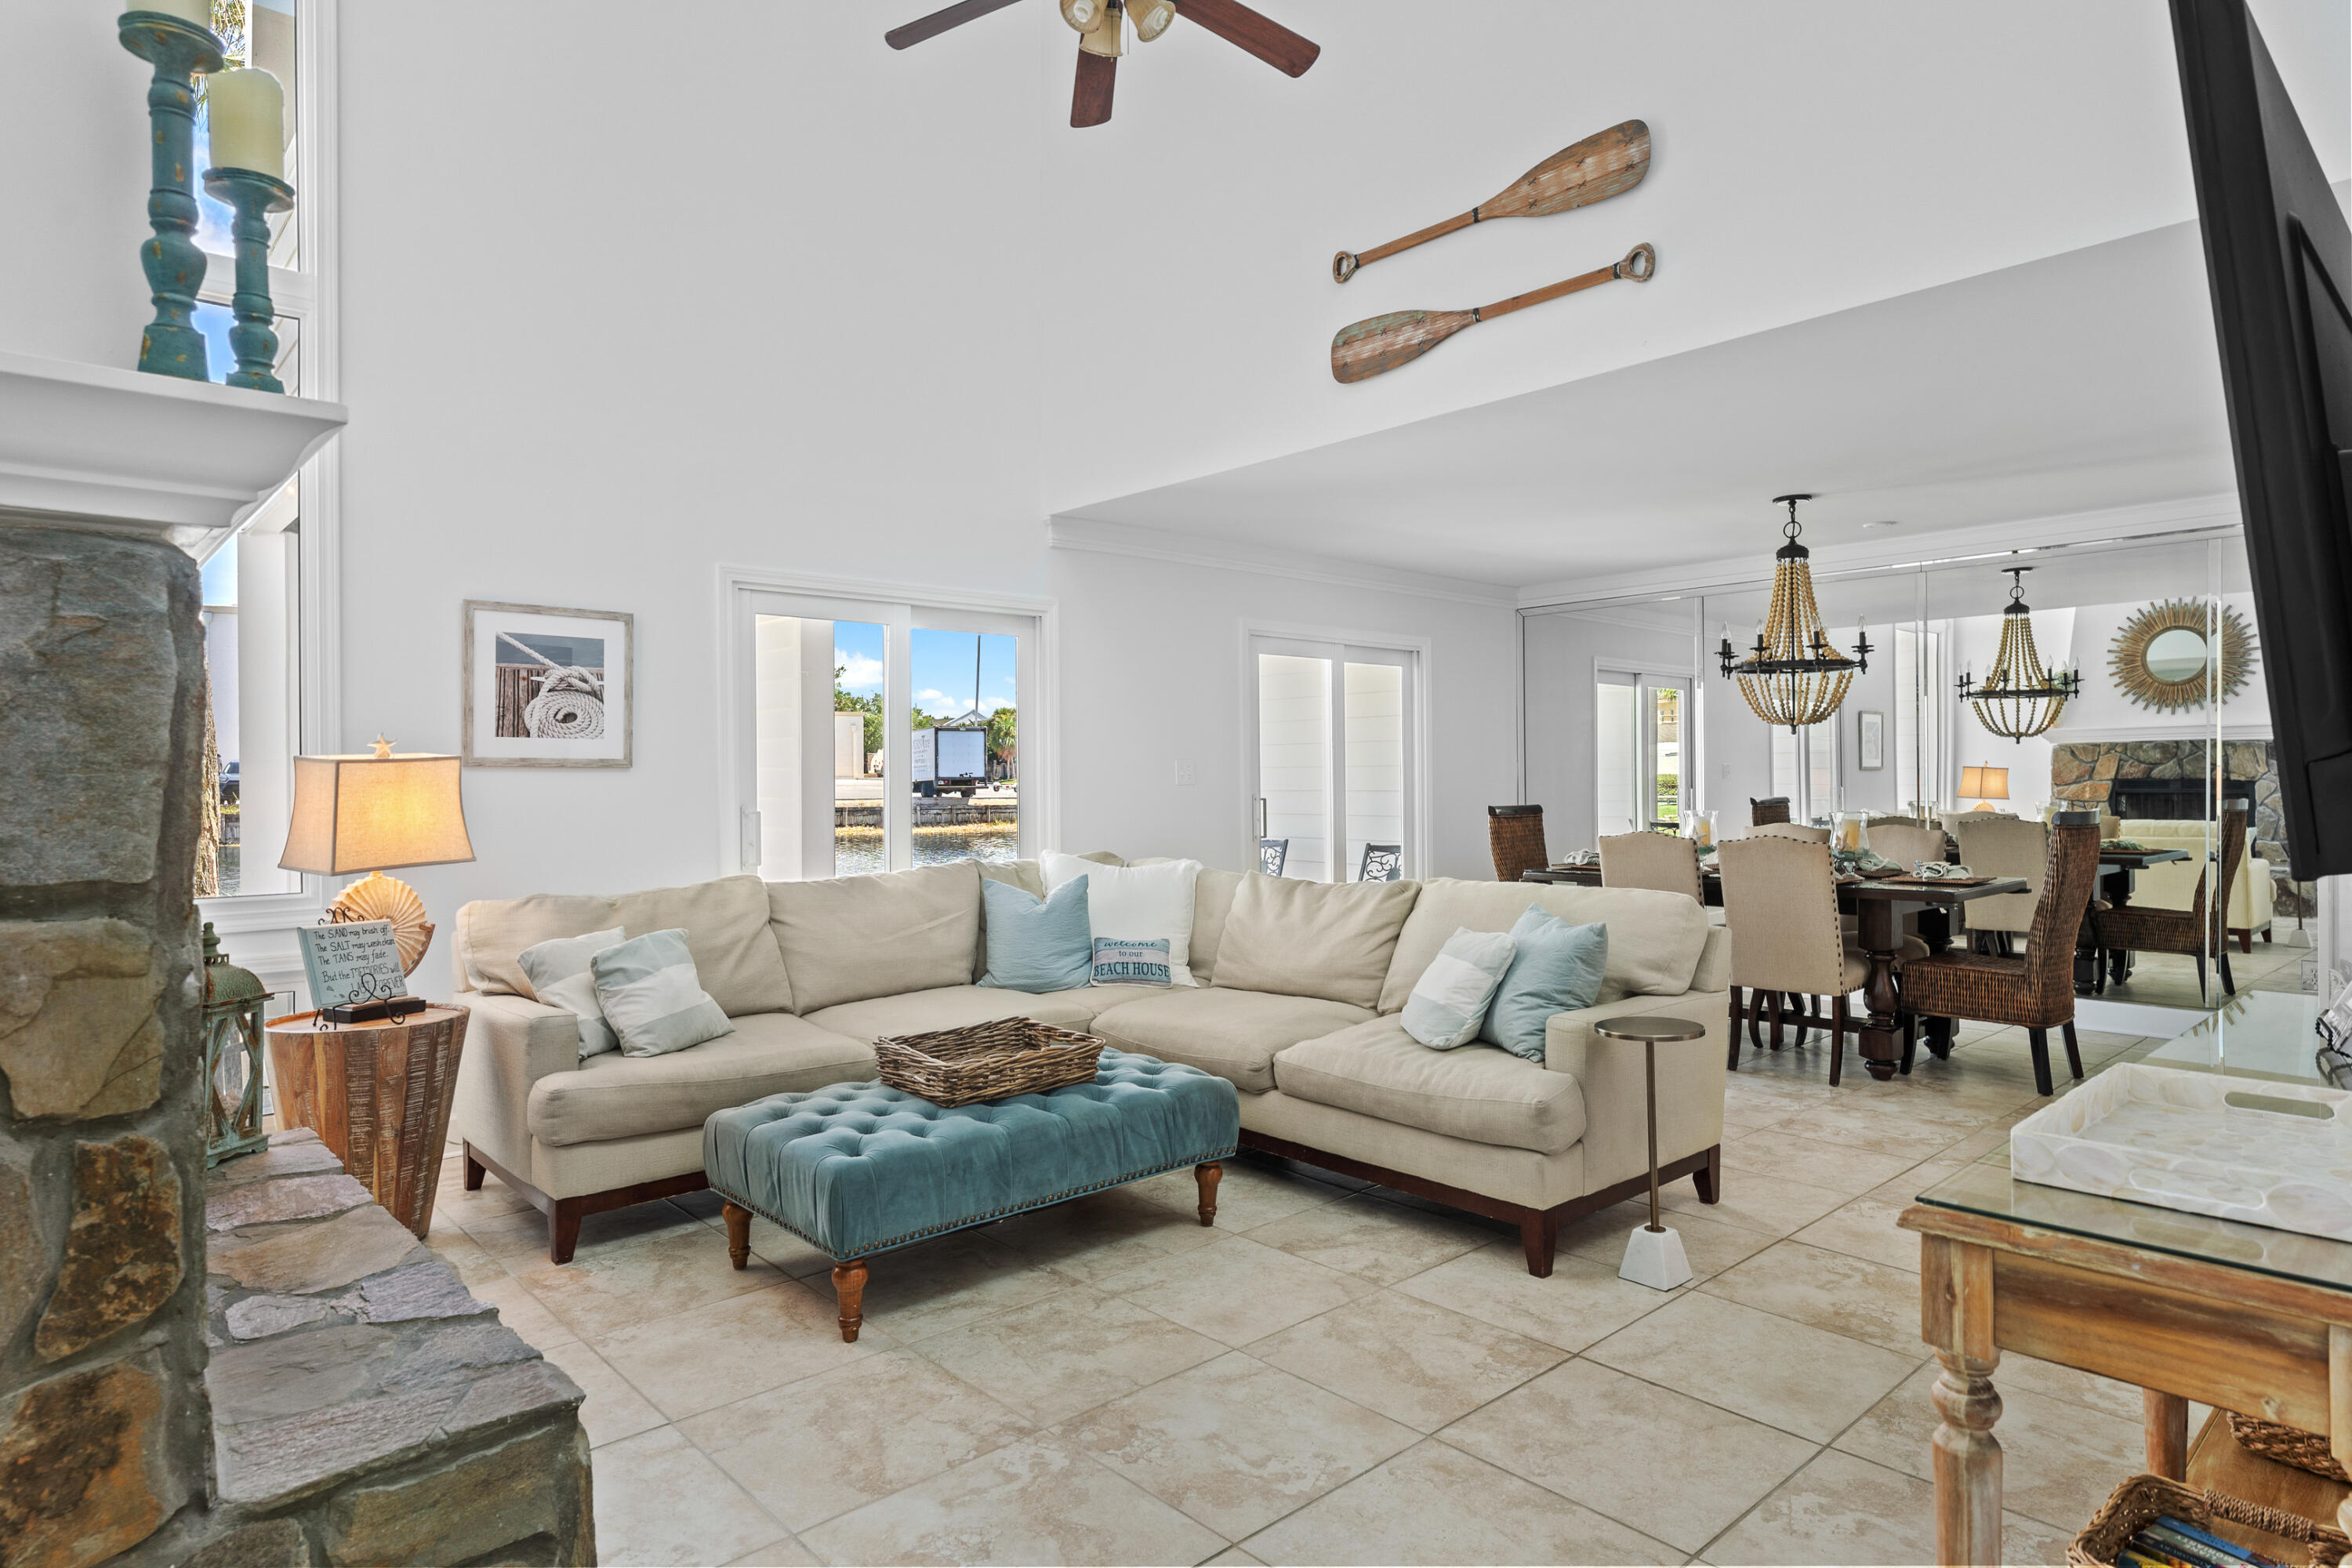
(558, 974)
(652, 997)
(1449, 999)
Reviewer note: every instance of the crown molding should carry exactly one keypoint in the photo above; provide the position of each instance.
(2186, 514)
(1186, 550)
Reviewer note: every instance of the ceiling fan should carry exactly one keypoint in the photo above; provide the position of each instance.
(1101, 27)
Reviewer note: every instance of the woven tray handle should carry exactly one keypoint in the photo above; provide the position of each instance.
(2276, 1521)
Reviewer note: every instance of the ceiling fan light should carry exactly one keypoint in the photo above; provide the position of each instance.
(1108, 36)
(1083, 15)
(1153, 17)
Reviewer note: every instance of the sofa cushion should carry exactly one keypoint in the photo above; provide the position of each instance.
(1654, 938)
(1478, 1092)
(1234, 1033)
(952, 1006)
(1328, 940)
(614, 1096)
(849, 938)
(726, 927)
(492, 933)
(1213, 905)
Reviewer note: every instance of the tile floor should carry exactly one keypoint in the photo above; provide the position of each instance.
(2169, 980)
(1334, 1374)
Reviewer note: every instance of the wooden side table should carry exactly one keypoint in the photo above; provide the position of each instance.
(376, 1094)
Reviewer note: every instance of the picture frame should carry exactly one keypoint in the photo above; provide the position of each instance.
(1870, 748)
(546, 687)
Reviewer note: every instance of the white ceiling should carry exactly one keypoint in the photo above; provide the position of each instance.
(2080, 381)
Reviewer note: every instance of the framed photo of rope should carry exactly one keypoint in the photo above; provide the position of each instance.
(547, 688)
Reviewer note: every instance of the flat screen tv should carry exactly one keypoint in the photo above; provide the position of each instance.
(2278, 256)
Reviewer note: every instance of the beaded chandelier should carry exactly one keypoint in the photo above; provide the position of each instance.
(1793, 676)
(2018, 698)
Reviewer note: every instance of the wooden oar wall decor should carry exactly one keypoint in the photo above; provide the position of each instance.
(1367, 348)
(1601, 165)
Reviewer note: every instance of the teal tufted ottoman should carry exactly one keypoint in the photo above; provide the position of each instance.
(861, 1168)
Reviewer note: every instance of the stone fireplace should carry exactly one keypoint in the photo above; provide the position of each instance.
(2167, 779)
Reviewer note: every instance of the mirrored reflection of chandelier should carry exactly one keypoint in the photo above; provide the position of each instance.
(1793, 676)
(2018, 698)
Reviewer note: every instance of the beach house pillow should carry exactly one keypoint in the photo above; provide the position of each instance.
(1120, 962)
(648, 991)
(560, 976)
(1555, 968)
(1136, 903)
(1449, 1001)
(1034, 943)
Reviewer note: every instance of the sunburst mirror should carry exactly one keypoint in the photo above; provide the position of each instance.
(2161, 657)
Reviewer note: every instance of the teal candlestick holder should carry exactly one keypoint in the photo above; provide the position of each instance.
(255, 196)
(180, 52)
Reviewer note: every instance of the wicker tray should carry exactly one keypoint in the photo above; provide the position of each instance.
(994, 1060)
(2287, 1445)
(2144, 1497)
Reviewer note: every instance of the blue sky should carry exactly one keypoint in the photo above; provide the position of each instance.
(942, 666)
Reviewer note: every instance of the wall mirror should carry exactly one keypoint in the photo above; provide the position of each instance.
(2161, 657)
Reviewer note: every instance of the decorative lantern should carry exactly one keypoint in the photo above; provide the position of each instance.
(235, 1001)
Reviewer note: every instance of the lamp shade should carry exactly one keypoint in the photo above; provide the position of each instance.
(1984, 784)
(376, 812)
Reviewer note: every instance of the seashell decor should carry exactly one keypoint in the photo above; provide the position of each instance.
(377, 897)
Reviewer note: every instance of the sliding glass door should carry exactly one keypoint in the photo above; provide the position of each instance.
(1334, 759)
(1640, 750)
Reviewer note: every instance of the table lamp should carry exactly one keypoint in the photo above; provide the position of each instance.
(1984, 785)
(377, 813)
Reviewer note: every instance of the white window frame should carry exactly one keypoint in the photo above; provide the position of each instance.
(1644, 678)
(747, 592)
(1338, 644)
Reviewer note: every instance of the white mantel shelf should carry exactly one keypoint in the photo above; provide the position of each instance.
(95, 446)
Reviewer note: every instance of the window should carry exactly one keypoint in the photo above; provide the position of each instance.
(1638, 750)
(1335, 756)
(1919, 698)
(1805, 769)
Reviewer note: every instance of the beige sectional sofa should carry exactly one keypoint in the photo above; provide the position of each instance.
(1300, 988)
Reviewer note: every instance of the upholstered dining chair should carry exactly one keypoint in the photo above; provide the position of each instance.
(1771, 808)
(2193, 931)
(1785, 829)
(2035, 992)
(2002, 847)
(1780, 898)
(1652, 861)
(1907, 843)
(1516, 835)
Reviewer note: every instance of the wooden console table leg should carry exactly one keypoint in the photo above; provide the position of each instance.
(849, 1291)
(1208, 1176)
(1956, 1319)
(739, 1234)
(2168, 1434)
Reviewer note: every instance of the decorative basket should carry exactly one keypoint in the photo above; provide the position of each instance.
(2287, 1445)
(2143, 1498)
(994, 1060)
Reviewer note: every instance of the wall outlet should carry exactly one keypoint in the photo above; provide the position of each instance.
(1186, 773)
(1723, 771)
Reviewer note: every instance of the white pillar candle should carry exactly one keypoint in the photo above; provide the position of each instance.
(249, 121)
(200, 12)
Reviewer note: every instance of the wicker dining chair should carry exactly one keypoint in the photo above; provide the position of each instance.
(1771, 808)
(1780, 898)
(2194, 931)
(2034, 993)
(1515, 834)
(1652, 861)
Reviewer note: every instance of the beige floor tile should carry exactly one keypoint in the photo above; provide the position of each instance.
(612, 1409)
(1233, 1557)
(473, 1262)
(1094, 1238)
(1906, 1136)
(1841, 1510)
(659, 1501)
(2121, 1400)
(1866, 1229)
(787, 1552)
(1665, 1464)
(2059, 1459)
(1803, 1380)
(1776, 1152)
(453, 1202)
(1237, 1290)
(1906, 1187)
(1851, 1296)
(521, 1240)
(949, 1283)
(643, 1280)
(1435, 1504)
(1380, 1241)
(1769, 1204)
(1581, 1302)
(727, 1350)
(828, 1443)
(521, 1311)
(770, 1241)
(1043, 1500)
(1066, 1354)
(1237, 1444)
(1407, 1359)
(1709, 1245)
(1249, 1194)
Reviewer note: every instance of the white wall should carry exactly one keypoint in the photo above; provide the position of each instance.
(1560, 707)
(2103, 712)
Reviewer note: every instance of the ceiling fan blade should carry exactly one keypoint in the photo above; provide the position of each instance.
(1270, 41)
(1090, 99)
(938, 22)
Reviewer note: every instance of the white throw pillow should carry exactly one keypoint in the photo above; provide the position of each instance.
(652, 998)
(1450, 1000)
(560, 976)
(1136, 903)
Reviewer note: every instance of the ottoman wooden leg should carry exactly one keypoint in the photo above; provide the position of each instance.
(739, 1235)
(849, 1291)
(1209, 1175)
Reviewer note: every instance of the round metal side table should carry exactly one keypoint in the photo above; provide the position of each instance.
(1654, 1254)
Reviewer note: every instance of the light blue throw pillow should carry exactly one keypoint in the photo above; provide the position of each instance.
(1034, 943)
(1555, 968)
